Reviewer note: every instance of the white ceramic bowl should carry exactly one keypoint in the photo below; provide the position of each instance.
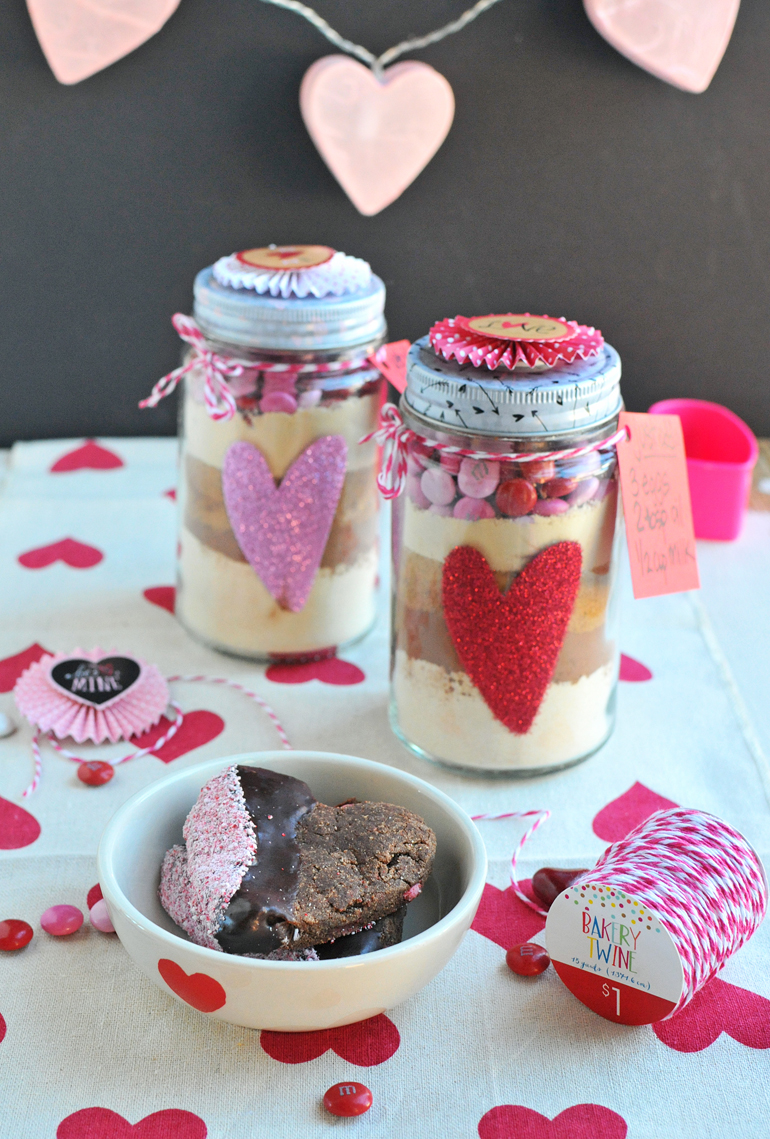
(289, 996)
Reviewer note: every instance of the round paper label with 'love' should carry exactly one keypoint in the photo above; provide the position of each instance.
(614, 954)
(284, 257)
(517, 326)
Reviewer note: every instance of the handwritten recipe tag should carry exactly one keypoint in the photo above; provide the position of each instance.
(656, 504)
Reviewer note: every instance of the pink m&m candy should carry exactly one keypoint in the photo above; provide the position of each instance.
(61, 920)
(472, 509)
(100, 917)
(548, 506)
(438, 486)
(583, 492)
(444, 511)
(415, 492)
(450, 462)
(478, 478)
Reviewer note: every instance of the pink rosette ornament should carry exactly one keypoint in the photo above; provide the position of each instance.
(98, 696)
(514, 341)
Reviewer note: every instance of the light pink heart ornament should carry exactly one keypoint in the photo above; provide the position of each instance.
(282, 531)
(81, 37)
(375, 136)
(679, 41)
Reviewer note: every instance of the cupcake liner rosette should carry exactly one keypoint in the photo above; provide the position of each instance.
(51, 709)
(457, 339)
(340, 274)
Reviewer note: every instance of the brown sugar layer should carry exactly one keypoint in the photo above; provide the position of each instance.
(353, 532)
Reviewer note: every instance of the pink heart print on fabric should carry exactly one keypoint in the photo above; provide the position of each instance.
(90, 457)
(17, 827)
(81, 37)
(11, 668)
(283, 530)
(366, 1043)
(583, 1121)
(73, 553)
(633, 671)
(503, 918)
(330, 670)
(717, 1008)
(630, 809)
(101, 1123)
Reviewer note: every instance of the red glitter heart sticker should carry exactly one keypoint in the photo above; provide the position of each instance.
(509, 643)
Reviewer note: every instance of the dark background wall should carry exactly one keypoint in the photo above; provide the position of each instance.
(572, 183)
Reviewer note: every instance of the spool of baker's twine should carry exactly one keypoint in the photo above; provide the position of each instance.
(681, 879)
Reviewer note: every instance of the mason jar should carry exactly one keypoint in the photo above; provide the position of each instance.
(504, 640)
(278, 532)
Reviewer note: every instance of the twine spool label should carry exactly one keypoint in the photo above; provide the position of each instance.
(613, 954)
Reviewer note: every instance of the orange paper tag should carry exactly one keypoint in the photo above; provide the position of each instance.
(390, 360)
(656, 504)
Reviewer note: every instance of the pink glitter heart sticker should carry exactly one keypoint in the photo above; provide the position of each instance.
(282, 530)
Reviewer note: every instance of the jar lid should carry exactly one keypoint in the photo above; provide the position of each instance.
(563, 399)
(232, 308)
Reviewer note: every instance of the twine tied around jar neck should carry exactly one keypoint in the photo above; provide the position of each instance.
(219, 400)
(395, 437)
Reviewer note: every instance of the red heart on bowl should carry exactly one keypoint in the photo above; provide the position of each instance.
(196, 989)
(17, 827)
(630, 809)
(11, 668)
(583, 1121)
(101, 1123)
(366, 1043)
(719, 1007)
(68, 550)
(91, 456)
(198, 728)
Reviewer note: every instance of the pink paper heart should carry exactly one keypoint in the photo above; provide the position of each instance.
(679, 41)
(101, 1123)
(583, 1121)
(81, 37)
(374, 136)
(282, 531)
(717, 1008)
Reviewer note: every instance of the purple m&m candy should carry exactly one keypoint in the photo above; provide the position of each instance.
(548, 506)
(478, 478)
(583, 492)
(473, 509)
(438, 486)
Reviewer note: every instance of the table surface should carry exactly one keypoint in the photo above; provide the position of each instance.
(85, 1030)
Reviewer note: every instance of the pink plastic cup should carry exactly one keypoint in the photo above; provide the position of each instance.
(721, 454)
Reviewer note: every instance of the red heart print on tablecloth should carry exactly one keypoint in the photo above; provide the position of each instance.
(68, 550)
(630, 809)
(91, 456)
(94, 896)
(170, 494)
(198, 728)
(503, 917)
(17, 827)
(197, 989)
(719, 1007)
(164, 596)
(509, 643)
(331, 670)
(11, 668)
(3, 1028)
(583, 1121)
(101, 1123)
(366, 1043)
(633, 670)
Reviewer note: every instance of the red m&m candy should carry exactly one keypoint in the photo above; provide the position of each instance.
(347, 1099)
(14, 934)
(516, 497)
(95, 772)
(528, 960)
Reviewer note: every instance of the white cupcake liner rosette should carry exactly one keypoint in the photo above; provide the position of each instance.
(51, 710)
(340, 274)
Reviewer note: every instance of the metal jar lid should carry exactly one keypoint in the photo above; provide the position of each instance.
(306, 324)
(564, 399)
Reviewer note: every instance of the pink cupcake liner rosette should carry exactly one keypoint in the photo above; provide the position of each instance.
(453, 339)
(51, 710)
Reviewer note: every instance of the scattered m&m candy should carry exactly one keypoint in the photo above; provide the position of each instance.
(95, 772)
(347, 1099)
(61, 920)
(528, 960)
(99, 916)
(14, 934)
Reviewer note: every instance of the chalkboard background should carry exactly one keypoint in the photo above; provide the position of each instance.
(571, 182)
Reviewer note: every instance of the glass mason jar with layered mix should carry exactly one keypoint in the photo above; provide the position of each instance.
(278, 538)
(504, 641)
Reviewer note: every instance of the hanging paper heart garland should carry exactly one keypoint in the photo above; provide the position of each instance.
(81, 37)
(679, 41)
(375, 136)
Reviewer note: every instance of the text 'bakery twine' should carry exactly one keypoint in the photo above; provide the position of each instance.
(172, 730)
(540, 817)
(395, 438)
(701, 879)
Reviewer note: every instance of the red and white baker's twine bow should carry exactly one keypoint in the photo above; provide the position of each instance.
(219, 400)
(172, 730)
(540, 817)
(395, 438)
(699, 877)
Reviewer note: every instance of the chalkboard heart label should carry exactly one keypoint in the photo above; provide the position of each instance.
(98, 683)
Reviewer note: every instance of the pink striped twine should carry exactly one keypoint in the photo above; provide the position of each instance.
(540, 817)
(219, 400)
(395, 438)
(247, 692)
(701, 879)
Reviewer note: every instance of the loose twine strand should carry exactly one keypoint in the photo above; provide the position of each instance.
(378, 63)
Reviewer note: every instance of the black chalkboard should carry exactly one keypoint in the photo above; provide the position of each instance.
(572, 182)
